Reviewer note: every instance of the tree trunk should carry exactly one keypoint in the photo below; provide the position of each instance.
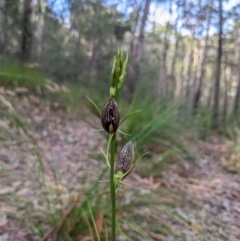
(225, 103)
(26, 30)
(180, 86)
(4, 37)
(215, 111)
(237, 98)
(137, 50)
(133, 31)
(77, 57)
(188, 69)
(201, 71)
(172, 72)
(172, 84)
(139, 45)
(95, 44)
(9, 14)
(40, 28)
(162, 75)
(209, 100)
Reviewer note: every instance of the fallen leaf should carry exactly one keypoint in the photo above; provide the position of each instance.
(196, 227)
(99, 223)
(157, 236)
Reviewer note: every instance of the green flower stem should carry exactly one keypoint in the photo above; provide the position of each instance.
(112, 187)
(116, 80)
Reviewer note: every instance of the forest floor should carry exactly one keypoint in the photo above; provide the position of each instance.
(200, 200)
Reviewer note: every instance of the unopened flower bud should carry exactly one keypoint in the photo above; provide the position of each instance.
(110, 116)
(125, 162)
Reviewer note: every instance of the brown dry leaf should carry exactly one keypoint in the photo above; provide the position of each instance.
(223, 160)
(236, 195)
(57, 187)
(6, 190)
(237, 209)
(8, 209)
(86, 238)
(99, 224)
(3, 219)
(149, 182)
(196, 227)
(204, 189)
(157, 236)
(23, 191)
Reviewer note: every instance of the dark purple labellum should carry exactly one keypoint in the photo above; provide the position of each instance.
(125, 160)
(110, 116)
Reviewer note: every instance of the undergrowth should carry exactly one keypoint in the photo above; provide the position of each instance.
(20, 75)
(83, 211)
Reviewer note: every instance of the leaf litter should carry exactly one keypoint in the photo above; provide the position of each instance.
(45, 149)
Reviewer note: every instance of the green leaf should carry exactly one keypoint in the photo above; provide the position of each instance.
(95, 105)
(126, 117)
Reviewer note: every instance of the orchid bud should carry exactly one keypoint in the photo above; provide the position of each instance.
(125, 162)
(110, 116)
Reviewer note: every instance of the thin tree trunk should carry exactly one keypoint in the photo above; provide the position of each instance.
(172, 72)
(201, 72)
(215, 111)
(179, 92)
(133, 31)
(95, 44)
(209, 100)
(137, 50)
(225, 103)
(10, 13)
(140, 43)
(77, 55)
(162, 75)
(197, 65)
(40, 28)
(237, 98)
(95, 56)
(26, 30)
(5, 28)
(188, 68)
(180, 89)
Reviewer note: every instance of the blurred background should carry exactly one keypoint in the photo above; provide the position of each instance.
(183, 73)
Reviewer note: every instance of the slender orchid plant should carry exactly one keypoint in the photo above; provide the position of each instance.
(111, 120)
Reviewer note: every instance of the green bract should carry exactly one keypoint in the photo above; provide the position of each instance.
(118, 74)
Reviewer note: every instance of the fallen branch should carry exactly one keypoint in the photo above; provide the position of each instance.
(52, 232)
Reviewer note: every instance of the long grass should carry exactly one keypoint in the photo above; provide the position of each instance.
(20, 75)
(156, 127)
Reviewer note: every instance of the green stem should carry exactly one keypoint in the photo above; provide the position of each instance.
(112, 187)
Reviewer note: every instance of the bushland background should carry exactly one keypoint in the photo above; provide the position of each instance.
(183, 72)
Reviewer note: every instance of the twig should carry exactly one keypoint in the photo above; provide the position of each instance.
(56, 228)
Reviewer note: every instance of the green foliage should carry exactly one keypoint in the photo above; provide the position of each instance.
(156, 125)
(20, 75)
(201, 123)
